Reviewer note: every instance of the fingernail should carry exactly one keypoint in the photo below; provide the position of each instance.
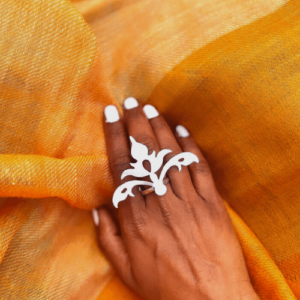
(111, 114)
(182, 131)
(95, 216)
(150, 111)
(130, 103)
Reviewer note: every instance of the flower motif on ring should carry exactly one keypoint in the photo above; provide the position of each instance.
(140, 153)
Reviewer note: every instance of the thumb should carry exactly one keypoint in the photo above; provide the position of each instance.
(113, 246)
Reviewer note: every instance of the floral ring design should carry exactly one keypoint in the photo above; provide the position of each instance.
(140, 153)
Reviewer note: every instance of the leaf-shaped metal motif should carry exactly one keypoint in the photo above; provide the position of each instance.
(158, 160)
(140, 153)
(181, 159)
(138, 150)
(125, 190)
(138, 171)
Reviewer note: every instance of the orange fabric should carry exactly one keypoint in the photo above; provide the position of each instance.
(115, 289)
(244, 114)
(141, 40)
(265, 276)
(48, 249)
(52, 178)
(228, 70)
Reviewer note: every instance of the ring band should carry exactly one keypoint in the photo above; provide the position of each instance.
(151, 189)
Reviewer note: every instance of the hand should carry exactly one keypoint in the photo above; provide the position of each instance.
(177, 246)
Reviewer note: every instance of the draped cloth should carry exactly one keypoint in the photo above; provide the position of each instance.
(228, 70)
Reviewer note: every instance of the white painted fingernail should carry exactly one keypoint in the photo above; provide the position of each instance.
(182, 131)
(111, 114)
(130, 103)
(150, 111)
(95, 216)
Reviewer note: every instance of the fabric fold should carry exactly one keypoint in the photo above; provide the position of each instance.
(83, 181)
(226, 70)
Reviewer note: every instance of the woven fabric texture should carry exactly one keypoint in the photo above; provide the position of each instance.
(226, 69)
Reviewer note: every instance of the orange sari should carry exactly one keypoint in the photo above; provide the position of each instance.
(228, 70)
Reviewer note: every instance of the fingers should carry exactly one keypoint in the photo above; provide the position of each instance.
(200, 172)
(180, 181)
(138, 125)
(139, 128)
(120, 158)
(113, 246)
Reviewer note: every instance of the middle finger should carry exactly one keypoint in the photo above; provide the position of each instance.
(139, 128)
(180, 180)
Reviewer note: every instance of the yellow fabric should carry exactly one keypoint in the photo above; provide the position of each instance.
(228, 70)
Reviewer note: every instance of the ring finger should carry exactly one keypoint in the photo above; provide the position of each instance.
(180, 180)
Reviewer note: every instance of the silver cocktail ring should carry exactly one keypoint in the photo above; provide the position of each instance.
(157, 184)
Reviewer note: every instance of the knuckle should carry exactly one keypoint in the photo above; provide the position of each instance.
(118, 131)
(188, 209)
(220, 214)
(220, 208)
(134, 232)
(217, 208)
(137, 227)
(121, 163)
(201, 167)
(158, 123)
(130, 231)
(166, 215)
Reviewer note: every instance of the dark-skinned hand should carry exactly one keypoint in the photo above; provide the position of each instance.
(179, 246)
